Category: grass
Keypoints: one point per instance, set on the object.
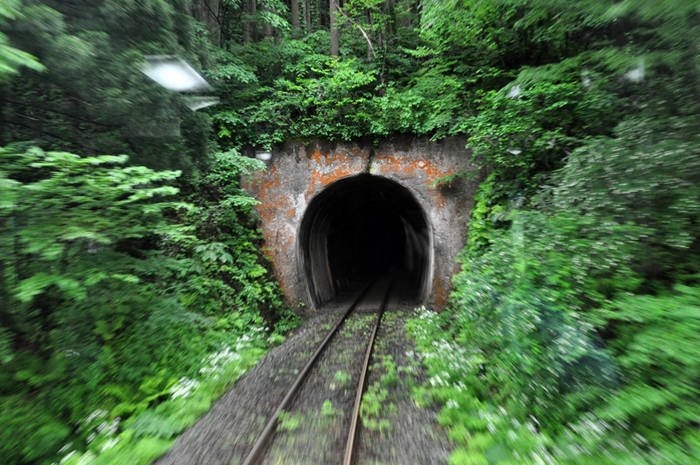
(289, 422)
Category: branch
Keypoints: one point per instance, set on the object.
(64, 113)
(29, 117)
(56, 136)
(367, 38)
(215, 15)
(72, 97)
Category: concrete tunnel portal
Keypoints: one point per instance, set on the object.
(331, 212)
(363, 226)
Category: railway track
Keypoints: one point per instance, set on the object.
(372, 300)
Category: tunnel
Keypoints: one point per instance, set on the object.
(362, 227)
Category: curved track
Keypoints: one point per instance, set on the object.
(372, 299)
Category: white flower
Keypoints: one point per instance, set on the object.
(184, 387)
(86, 458)
(109, 444)
(64, 448)
(67, 457)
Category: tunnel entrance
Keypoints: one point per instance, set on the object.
(361, 227)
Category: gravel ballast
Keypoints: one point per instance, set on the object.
(313, 431)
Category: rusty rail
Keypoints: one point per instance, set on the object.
(260, 445)
(350, 446)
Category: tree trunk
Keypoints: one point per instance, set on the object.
(320, 22)
(387, 9)
(307, 14)
(370, 22)
(209, 12)
(404, 12)
(295, 14)
(267, 27)
(246, 22)
(335, 32)
(254, 11)
(278, 65)
(5, 136)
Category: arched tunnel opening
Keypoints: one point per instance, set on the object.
(362, 227)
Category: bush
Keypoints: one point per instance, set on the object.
(114, 299)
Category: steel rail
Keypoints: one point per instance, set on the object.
(350, 446)
(258, 449)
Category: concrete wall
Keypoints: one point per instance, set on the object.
(297, 172)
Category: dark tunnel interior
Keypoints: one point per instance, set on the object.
(361, 227)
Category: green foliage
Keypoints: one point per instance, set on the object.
(297, 90)
(141, 295)
(117, 301)
(11, 59)
(374, 408)
(327, 409)
(289, 422)
(582, 260)
(558, 337)
(486, 216)
(533, 133)
(342, 377)
(92, 98)
(660, 398)
(647, 175)
(329, 105)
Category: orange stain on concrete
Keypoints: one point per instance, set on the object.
(397, 164)
(440, 293)
(328, 168)
(409, 168)
(323, 170)
(287, 186)
(264, 184)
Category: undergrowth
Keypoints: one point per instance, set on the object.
(571, 335)
(131, 299)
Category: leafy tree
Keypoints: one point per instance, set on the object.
(11, 59)
(582, 259)
(92, 99)
(110, 293)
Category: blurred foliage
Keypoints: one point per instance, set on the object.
(132, 297)
(111, 292)
(92, 98)
(11, 59)
(572, 330)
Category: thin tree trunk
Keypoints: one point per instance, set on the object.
(387, 9)
(370, 21)
(254, 11)
(267, 27)
(335, 32)
(364, 33)
(295, 14)
(307, 14)
(319, 18)
(405, 13)
(278, 65)
(246, 22)
(5, 315)
(209, 12)
(4, 130)
(383, 78)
